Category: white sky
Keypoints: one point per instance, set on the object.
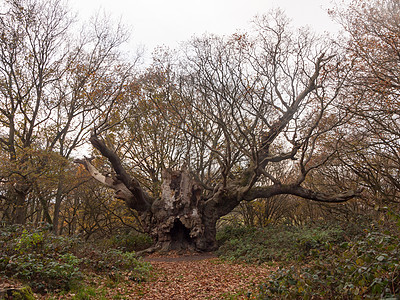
(168, 22)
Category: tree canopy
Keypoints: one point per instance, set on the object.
(271, 112)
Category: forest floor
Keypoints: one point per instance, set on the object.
(200, 277)
(181, 277)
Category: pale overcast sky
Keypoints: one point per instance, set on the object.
(168, 22)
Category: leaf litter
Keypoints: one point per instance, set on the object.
(195, 278)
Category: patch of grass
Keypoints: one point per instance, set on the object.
(86, 292)
(24, 293)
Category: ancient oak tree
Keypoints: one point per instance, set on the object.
(236, 106)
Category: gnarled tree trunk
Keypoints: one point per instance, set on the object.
(178, 216)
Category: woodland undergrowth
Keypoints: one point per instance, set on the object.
(331, 261)
(355, 260)
(50, 263)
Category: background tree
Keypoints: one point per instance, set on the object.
(370, 152)
(54, 87)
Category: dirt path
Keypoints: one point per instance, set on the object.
(198, 277)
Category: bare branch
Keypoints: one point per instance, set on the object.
(126, 187)
(296, 190)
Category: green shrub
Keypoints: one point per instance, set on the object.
(30, 240)
(44, 273)
(115, 262)
(365, 268)
(47, 262)
(26, 256)
(279, 243)
(132, 241)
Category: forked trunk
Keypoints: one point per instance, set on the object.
(178, 221)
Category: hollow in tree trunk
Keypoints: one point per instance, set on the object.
(178, 220)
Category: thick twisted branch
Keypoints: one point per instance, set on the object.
(127, 188)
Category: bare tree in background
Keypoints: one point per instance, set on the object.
(370, 152)
(54, 86)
